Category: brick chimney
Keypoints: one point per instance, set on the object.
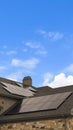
(27, 81)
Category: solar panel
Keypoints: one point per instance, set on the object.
(30, 88)
(14, 89)
(19, 84)
(43, 102)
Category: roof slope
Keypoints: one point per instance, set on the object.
(45, 102)
(14, 89)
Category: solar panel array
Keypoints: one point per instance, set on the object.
(14, 89)
(43, 102)
(30, 88)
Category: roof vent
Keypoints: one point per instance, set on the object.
(27, 81)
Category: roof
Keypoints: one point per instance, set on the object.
(36, 103)
(15, 89)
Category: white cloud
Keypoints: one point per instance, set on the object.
(5, 47)
(8, 52)
(51, 35)
(1, 52)
(42, 52)
(14, 76)
(55, 35)
(2, 67)
(32, 45)
(39, 49)
(59, 80)
(29, 64)
(11, 52)
(47, 78)
(43, 32)
(25, 50)
(69, 68)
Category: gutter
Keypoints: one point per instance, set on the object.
(15, 118)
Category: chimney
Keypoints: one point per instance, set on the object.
(27, 81)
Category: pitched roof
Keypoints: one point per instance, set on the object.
(45, 102)
(15, 89)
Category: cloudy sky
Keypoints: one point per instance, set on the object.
(36, 39)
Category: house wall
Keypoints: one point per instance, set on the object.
(58, 124)
(6, 103)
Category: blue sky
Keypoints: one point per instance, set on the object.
(36, 39)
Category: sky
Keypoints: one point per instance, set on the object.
(36, 39)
